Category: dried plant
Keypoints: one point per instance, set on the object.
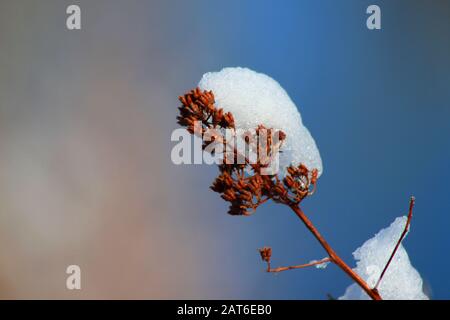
(245, 187)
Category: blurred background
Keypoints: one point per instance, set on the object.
(85, 123)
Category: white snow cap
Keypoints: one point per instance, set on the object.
(400, 282)
(255, 98)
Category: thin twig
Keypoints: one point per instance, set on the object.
(280, 269)
(408, 222)
(333, 255)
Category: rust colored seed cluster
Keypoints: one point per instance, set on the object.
(199, 106)
(266, 254)
(298, 182)
(245, 193)
(243, 185)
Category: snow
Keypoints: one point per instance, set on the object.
(322, 265)
(255, 98)
(400, 282)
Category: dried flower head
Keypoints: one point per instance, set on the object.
(198, 106)
(266, 254)
(244, 185)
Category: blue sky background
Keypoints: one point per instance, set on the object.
(86, 118)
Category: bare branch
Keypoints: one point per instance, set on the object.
(310, 264)
(402, 236)
(335, 258)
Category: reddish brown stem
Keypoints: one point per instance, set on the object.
(280, 269)
(333, 255)
(408, 222)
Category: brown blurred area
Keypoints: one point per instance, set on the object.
(85, 122)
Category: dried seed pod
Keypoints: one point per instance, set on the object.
(235, 184)
(266, 253)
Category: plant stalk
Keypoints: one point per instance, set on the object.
(333, 255)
